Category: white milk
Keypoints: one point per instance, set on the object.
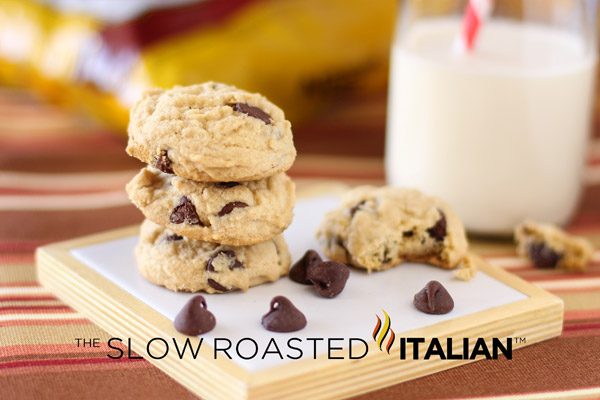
(500, 134)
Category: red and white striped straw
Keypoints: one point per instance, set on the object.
(476, 12)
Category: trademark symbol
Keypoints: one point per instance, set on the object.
(520, 340)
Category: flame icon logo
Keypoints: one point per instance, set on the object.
(381, 332)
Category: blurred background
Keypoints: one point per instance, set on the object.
(324, 62)
(70, 69)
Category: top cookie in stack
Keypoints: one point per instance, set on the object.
(211, 133)
(217, 157)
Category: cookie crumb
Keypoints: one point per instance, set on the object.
(467, 269)
(548, 246)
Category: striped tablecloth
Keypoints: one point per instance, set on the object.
(61, 178)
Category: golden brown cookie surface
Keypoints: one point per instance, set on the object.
(211, 132)
(234, 213)
(379, 227)
(186, 265)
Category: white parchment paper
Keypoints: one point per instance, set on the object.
(351, 314)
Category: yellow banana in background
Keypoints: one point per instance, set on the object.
(302, 54)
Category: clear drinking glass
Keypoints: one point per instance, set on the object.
(500, 132)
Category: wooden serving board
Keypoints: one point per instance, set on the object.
(97, 276)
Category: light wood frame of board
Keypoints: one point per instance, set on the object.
(537, 318)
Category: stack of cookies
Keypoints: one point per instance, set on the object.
(215, 194)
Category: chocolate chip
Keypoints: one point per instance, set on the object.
(185, 212)
(217, 286)
(438, 231)
(252, 111)
(194, 319)
(283, 316)
(354, 209)
(173, 237)
(299, 269)
(163, 163)
(232, 261)
(337, 241)
(227, 208)
(226, 185)
(386, 255)
(328, 278)
(434, 299)
(543, 256)
(408, 234)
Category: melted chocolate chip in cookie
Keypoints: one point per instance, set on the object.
(217, 286)
(252, 111)
(228, 255)
(386, 255)
(434, 299)
(226, 185)
(328, 278)
(185, 211)
(298, 272)
(229, 207)
(283, 316)
(173, 237)
(338, 241)
(439, 230)
(543, 256)
(163, 163)
(357, 207)
(194, 318)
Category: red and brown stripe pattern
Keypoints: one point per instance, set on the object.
(60, 179)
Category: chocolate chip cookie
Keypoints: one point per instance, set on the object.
(549, 247)
(211, 133)
(186, 265)
(233, 213)
(378, 228)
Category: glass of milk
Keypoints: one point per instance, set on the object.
(500, 132)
